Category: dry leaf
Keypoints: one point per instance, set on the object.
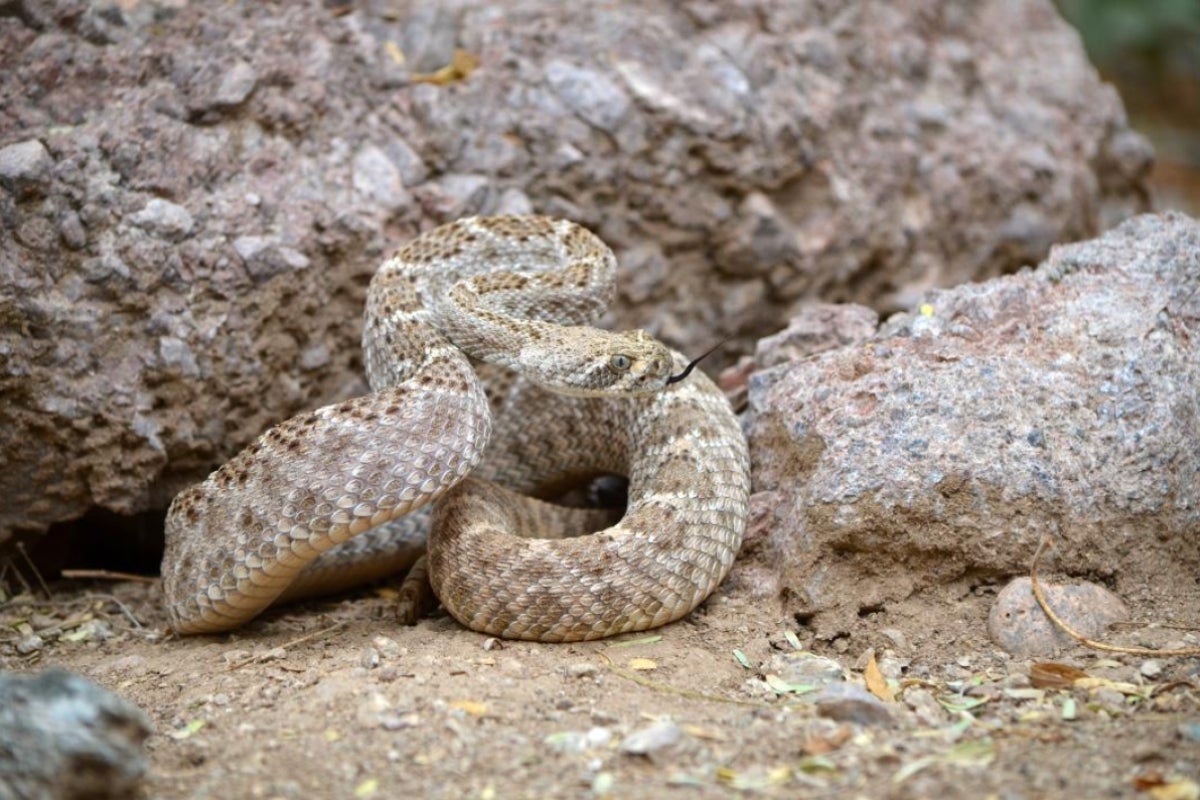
(1176, 789)
(821, 744)
(394, 51)
(461, 65)
(188, 730)
(876, 683)
(472, 707)
(1051, 675)
(1130, 689)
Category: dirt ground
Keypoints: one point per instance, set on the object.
(333, 699)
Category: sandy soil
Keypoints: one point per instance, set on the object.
(333, 699)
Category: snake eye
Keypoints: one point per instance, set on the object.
(621, 362)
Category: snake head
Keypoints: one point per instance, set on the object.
(589, 362)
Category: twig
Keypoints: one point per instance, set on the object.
(299, 640)
(1079, 637)
(665, 687)
(124, 609)
(106, 575)
(33, 568)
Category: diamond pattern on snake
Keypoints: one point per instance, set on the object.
(491, 391)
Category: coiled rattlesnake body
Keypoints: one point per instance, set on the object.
(519, 294)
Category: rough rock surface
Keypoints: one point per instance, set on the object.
(1061, 400)
(193, 195)
(62, 737)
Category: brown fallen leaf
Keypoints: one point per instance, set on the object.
(1052, 675)
(820, 744)
(472, 707)
(876, 683)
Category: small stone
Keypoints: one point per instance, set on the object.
(396, 722)
(928, 710)
(847, 702)
(369, 658)
(805, 669)
(164, 219)
(514, 201)
(24, 164)
(1112, 700)
(651, 738)
(582, 669)
(1151, 668)
(72, 232)
(601, 717)
(30, 644)
(492, 643)
(388, 647)
(599, 736)
(1190, 730)
(236, 85)
(377, 178)
(568, 741)
(265, 256)
(1018, 625)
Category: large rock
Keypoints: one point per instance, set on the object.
(1061, 401)
(194, 195)
(62, 737)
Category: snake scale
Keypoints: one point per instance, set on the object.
(476, 332)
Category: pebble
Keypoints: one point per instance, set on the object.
(651, 738)
(164, 219)
(388, 647)
(236, 85)
(1112, 700)
(926, 707)
(375, 176)
(1151, 668)
(265, 257)
(1018, 625)
(71, 229)
(847, 702)
(582, 669)
(369, 658)
(805, 668)
(26, 162)
(601, 717)
(30, 644)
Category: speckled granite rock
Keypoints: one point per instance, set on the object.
(62, 737)
(193, 195)
(1062, 400)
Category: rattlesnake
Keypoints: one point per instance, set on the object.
(512, 299)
